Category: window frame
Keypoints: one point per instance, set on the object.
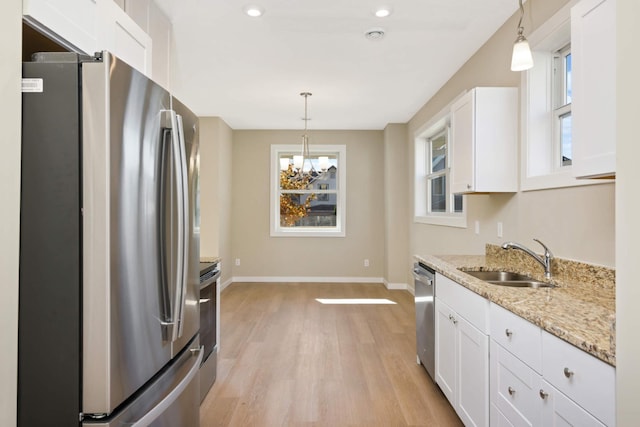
(561, 108)
(276, 230)
(539, 165)
(423, 213)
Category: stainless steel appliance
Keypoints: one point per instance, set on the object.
(425, 285)
(109, 250)
(209, 288)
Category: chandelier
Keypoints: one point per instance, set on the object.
(296, 169)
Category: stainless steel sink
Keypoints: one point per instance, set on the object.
(507, 278)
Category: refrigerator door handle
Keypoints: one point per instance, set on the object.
(162, 406)
(171, 318)
(183, 200)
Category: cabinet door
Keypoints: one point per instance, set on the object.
(559, 411)
(72, 23)
(473, 374)
(446, 350)
(580, 376)
(593, 51)
(463, 144)
(515, 389)
(160, 32)
(124, 38)
(484, 141)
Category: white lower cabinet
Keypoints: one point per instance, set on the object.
(587, 381)
(462, 351)
(538, 379)
(559, 411)
(498, 369)
(515, 390)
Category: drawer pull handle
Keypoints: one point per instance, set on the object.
(508, 333)
(543, 394)
(512, 391)
(568, 373)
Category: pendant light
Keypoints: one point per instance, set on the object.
(296, 166)
(521, 58)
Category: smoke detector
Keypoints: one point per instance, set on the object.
(374, 33)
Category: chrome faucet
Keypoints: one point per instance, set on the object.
(545, 260)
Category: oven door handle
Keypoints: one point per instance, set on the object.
(208, 282)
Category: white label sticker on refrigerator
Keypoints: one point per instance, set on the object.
(32, 85)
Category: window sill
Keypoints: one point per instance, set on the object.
(308, 232)
(560, 179)
(442, 220)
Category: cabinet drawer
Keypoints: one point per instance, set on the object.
(519, 336)
(515, 388)
(559, 410)
(583, 378)
(471, 306)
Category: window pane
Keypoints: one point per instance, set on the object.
(567, 78)
(438, 194)
(324, 168)
(457, 203)
(565, 139)
(438, 153)
(308, 210)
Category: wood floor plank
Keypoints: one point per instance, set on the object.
(288, 360)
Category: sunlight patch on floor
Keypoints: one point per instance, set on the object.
(354, 301)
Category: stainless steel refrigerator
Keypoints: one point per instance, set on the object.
(109, 248)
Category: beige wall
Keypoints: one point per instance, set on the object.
(215, 192)
(627, 214)
(265, 256)
(396, 203)
(10, 72)
(576, 223)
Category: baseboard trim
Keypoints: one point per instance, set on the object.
(396, 286)
(226, 284)
(292, 279)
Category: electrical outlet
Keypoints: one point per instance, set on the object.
(499, 229)
(237, 262)
(366, 263)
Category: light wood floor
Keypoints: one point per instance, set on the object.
(288, 360)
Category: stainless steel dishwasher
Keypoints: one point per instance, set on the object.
(425, 286)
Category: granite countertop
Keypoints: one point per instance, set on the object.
(581, 314)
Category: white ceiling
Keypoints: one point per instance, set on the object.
(250, 71)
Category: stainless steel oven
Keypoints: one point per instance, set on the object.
(209, 275)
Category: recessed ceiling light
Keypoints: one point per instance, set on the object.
(383, 12)
(253, 11)
(374, 33)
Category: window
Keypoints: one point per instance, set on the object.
(310, 207)
(547, 150)
(434, 202)
(562, 106)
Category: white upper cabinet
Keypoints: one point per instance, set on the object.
(71, 23)
(593, 47)
(160, 32)
(89, 26)
(484, 141)
(124, 38)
